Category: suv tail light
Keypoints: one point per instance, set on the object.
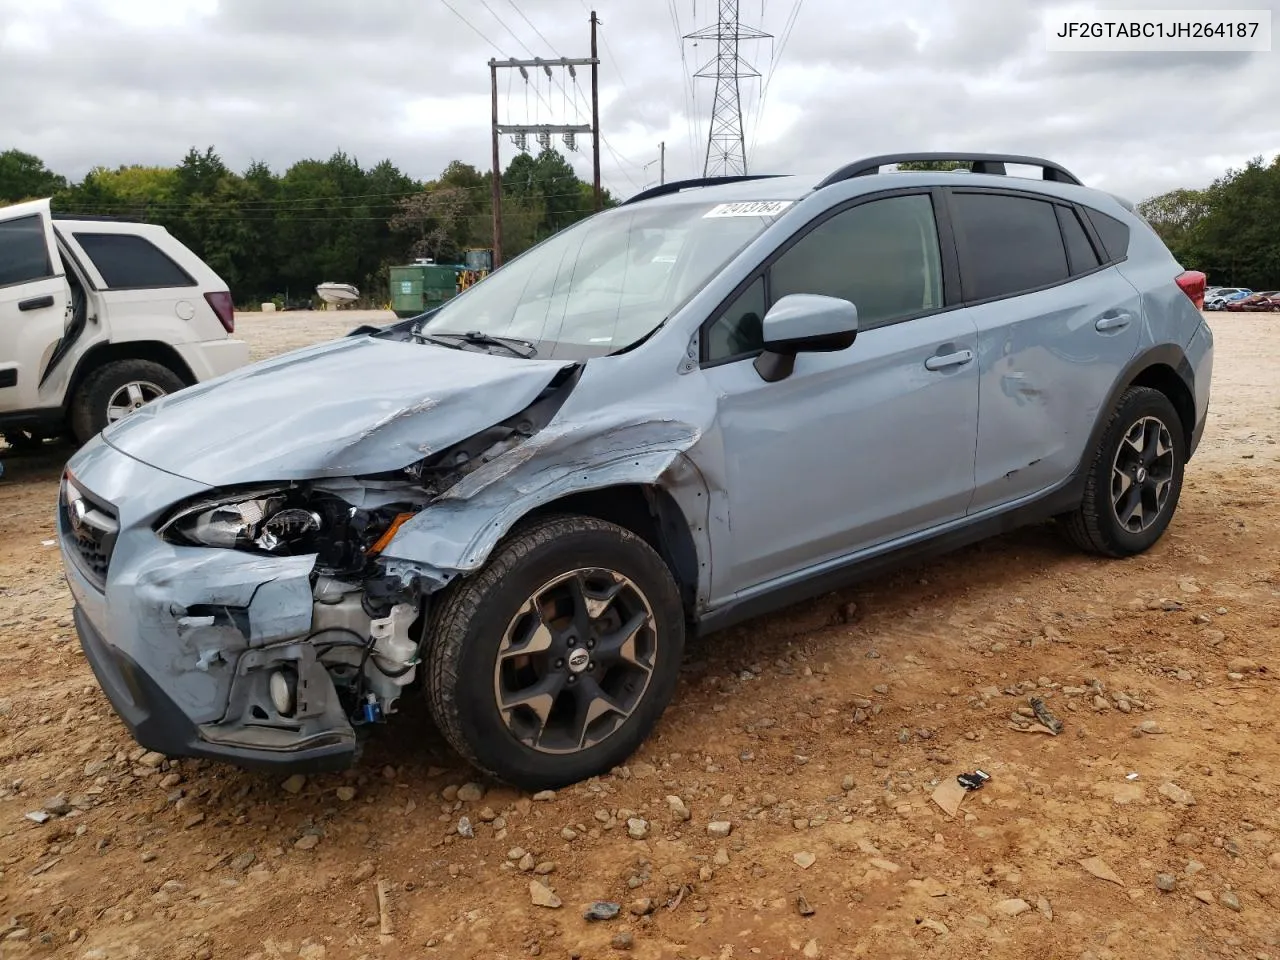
(1192, 283)
(226, 310)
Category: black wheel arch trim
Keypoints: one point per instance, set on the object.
(1168, 355)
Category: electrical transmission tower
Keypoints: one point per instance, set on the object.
(726, 149)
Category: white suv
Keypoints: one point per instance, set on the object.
(99, 317)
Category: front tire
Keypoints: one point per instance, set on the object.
(555, 661)
(117, 389)
(1135, 479)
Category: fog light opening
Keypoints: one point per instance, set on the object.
(283, 686)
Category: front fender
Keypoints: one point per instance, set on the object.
(456, 533)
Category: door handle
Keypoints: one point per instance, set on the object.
(36, 303)
(949, 360)
(1117, 322)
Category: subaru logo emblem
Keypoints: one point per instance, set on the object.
(578, 660)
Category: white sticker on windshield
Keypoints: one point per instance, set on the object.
(749, 208)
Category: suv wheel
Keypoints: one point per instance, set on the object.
(554, 662)
(1134, 482)
(117, 389)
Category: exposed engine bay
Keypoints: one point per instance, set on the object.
(368, 628)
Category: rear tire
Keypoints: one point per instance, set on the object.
(1135, 479)
(113, 391)
(555, 661)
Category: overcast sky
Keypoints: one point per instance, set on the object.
(88, 82)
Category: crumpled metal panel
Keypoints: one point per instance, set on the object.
(349, 407)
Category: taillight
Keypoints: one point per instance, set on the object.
(226, 310)
(1192, 283)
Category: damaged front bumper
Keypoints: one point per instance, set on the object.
(185, 641)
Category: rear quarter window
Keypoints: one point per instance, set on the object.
(1113, 233)
(132, 262)
(24, 251)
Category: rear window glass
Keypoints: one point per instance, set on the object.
(24, 251)
(128, 261)
(1113, 233)
(1008, 244)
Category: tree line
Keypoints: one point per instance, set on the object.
(275, 236)
(1230, 229)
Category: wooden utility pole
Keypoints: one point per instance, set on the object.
(595, 110)
(497, 170)
(543, 131)
(662, 162)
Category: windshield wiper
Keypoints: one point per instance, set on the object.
(513, 345)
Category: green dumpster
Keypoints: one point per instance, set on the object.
(420, 287)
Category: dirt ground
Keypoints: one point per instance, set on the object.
(819, 734)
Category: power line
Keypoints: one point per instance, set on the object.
(549, 44)
(773, 69)
(502, 23)
(472, 26)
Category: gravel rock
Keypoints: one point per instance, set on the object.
(642, 907)
(622, 941)
(527, 863)
(364, 872)
(1166, 882)
(679, 809)
(847, 784)
(803, 906)
(1012, 908)
(720, 828)
(465, 829)
(1242, 665)
(345, 794)
(545, 868)
(569, 834)
(470, 792)
(517, 853)
(37, 816)
(1230, 901)
(543, 896)
(804, 859)
(1172, 791)
(637, 829)
(308, 841)
(59, 806)
(294, 784)
(243, 862)
(151, 760)
(1150, 727)
(544, 796)
(601, 910)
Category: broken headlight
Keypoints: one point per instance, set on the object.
(264, 520)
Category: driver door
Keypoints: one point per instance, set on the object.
(859, 447)
(34, 299)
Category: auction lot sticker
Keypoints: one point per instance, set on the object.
(748, 208)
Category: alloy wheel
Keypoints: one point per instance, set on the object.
(131, 397)
(1142, 474)
(575, 661)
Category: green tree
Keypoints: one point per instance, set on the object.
(23, 176)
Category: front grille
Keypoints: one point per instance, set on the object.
(89, 527)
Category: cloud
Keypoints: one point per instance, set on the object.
(87, 82)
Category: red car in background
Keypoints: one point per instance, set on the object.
(1267, 300)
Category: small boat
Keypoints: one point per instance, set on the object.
(337, 293)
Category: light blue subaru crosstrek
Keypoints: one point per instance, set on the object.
(721, 397)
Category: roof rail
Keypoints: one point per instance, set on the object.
(93, 217)
(675, 186)
(978, 163)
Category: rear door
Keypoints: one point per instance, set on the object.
(34, 299)
(1057, 324)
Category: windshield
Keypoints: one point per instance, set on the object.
(606, 282)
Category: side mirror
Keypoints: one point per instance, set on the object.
(804, 323)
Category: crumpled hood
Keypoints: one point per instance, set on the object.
(354, 406)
